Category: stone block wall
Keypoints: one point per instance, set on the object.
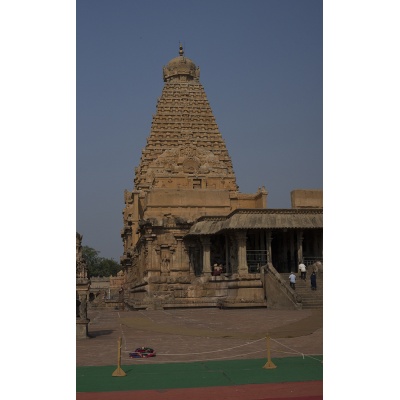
(303, 198)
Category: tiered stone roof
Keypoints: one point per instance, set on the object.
(184, 140)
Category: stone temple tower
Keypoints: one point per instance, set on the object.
(185, 173)
(185, 148)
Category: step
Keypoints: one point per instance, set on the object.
(311, 299)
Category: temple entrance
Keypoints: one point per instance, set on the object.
(285, 246)
(256, 250)
(284, 250)
(312, 246)
(218, 251)
(196, 260)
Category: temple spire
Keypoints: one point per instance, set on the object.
(181, 49)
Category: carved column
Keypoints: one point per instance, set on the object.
(315, 244)
(242, 260)
(300, 246)
(152, 267)
(135, 217)
(263, 258)
(293, 266)
(83, 305)
(268, 239)
(228, 267)
(284, 251)
(205, 242)
(177, 260)
(82, 292)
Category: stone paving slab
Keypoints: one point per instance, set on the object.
(187, 335)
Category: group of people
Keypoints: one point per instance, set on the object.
(303, 274)
(217, 269)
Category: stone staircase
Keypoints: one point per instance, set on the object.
(311, 299)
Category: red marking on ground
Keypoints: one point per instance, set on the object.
(311, 390)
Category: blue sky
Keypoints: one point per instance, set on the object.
(261, 67)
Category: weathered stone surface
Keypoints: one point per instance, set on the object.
(306, 198)
(186, 213)
(82, 291)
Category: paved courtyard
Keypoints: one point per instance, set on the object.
(187, 335)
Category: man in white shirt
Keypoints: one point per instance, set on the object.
(303, 271)
(292, 280)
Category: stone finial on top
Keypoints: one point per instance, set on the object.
(181, 69)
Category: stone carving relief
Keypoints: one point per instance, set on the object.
(81, 268)
(186, 160)
(83, 307)
(191, 165)
(165, 260)
(128, 197)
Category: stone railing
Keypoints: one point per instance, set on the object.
(278, 293)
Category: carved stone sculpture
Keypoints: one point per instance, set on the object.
(82, 291)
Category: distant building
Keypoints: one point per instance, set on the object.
(186, 213)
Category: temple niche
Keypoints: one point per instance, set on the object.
(185, 213)
(82, 291)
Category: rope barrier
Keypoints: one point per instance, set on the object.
(285, 352)
(294, 351)
(212, 351)
(208, 359)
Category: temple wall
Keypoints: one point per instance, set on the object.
(99, 283)
(306, 198)
(188, 198)
(257, 200)
(187, 204)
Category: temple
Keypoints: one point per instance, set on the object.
(191, 239)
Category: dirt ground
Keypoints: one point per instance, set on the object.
(187, 335)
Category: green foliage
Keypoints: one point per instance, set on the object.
(99, 266)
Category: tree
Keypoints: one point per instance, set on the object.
(99, 266)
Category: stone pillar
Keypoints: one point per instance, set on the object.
(300, 246)
(262, 248)
(135, 217)
(152, 266)
(284, 250)
(315, 244)
(206, 243)
(82, 291)
(243, 269)
(228, 268)
(293, 266)
(82, 321)
(268, 239)
(178, 262)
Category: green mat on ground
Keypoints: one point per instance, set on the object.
(198, 374)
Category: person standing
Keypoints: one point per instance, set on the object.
(292, 280)
(313, 279)
(216, 271)
(303, 271)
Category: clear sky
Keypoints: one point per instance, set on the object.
(261, 68)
